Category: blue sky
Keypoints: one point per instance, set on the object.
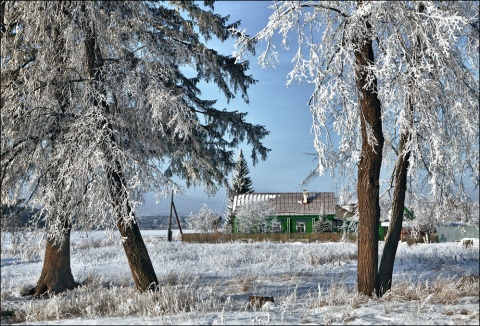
(283, 111)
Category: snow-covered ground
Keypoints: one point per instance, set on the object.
(209, 284)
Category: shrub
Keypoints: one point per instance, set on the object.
(205, 220)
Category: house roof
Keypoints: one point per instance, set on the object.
(292, 203)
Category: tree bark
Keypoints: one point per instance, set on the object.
(138, 259)
(385, 272)
(56, 274)
(368, 167)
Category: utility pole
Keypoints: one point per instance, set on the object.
(176, 216)
(169, 236)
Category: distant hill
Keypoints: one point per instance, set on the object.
(155, 222)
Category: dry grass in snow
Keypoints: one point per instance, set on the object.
(311, 283)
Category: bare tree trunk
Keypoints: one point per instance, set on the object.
(56, 274)
(138, 259)
(385, 273)
(368, 167)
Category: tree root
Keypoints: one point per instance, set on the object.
(44, 291)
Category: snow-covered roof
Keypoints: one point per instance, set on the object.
(292, 203)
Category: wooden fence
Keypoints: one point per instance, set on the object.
(219, 237)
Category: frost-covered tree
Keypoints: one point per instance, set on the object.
(322, 225)
(256, 217)
(240, 184)
(274, 225)
(206, 220)
(398, 82)
(101, 103)
(458, 211)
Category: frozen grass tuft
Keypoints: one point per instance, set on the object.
(95, 300)
(441, 290)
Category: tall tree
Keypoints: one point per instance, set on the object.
(240, 184)
(101, 103)
(398, 81)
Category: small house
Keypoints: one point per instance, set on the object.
(297, 212)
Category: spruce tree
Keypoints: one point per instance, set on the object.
(241, 184)
(97, 110)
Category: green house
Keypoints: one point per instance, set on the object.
(297, 212)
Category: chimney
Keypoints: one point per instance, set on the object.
(305, 198)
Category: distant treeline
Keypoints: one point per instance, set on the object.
(19, 217)
(155, 222)
(15, 217)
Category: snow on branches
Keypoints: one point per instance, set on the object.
(257, 217)
(206, 220)
(426, 64)
(97, 108)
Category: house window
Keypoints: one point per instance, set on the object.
(301, 227)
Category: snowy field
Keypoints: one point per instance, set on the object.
(209, 284)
